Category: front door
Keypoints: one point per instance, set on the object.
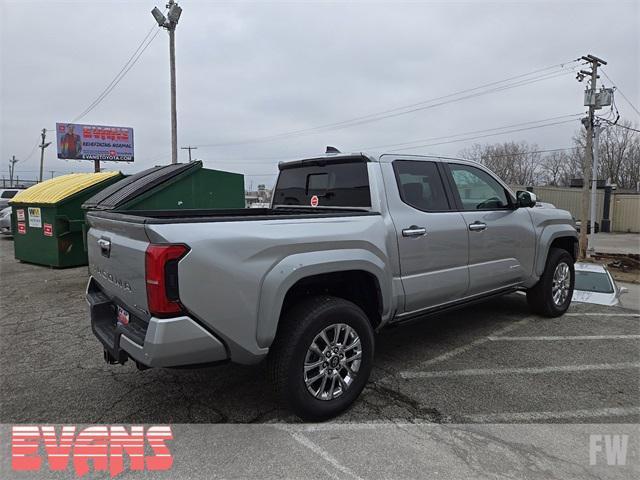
(432, 236)
(501, 237)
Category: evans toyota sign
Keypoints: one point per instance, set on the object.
(94, 142)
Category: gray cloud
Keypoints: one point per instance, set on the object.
(248, 70)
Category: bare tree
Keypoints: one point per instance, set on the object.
(519, 163)
(555, 168)
(515, 162)
(618, 155)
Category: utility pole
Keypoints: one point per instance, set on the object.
(42, 146)
(189, 148)
(170, 22)
(594, 182)
(590, 100)
(12, 167)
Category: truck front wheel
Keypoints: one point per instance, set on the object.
(322, 356)
(551, 296)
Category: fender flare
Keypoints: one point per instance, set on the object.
(286, 273)
(548, 235)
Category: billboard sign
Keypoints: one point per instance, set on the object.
(94, 142)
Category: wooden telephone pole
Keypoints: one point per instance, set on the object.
(42, 146)
(590, 95)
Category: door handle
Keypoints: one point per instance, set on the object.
(414, 231)
(477, 226)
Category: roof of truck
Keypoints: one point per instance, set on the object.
(367, 156)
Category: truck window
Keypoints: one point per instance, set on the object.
(477, 189)
(334, 184)
(420, 185)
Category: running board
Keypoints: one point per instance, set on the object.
(413, 317)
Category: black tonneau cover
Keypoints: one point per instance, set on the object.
(131, 187)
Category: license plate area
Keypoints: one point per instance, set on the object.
(122, 316)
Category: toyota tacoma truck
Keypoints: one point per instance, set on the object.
(351, 243)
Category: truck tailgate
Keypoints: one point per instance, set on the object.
(117, 261)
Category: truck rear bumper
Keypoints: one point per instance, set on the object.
(162, 342)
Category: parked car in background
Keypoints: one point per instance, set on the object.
(7, 194)
(594, 284)
(5, 221)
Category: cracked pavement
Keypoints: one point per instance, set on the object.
(406, 424)
(52, 368)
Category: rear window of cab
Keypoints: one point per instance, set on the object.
(333, 184)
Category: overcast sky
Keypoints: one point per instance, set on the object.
(255, 69)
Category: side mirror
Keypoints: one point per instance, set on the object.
(623, 290)
(526, 199)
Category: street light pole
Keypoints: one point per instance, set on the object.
(174, 115)
(170, 22)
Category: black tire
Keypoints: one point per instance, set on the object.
(298, 328)
(540, 296)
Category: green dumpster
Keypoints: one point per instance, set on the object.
(172, 187)
(48, 221)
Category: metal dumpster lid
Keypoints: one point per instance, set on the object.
(130, 187)
(57, 189)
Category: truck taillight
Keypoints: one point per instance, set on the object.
(161, 276)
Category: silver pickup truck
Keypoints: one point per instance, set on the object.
(350, 244)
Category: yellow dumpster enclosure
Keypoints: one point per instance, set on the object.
(48, 221)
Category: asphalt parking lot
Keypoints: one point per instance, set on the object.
(493, 363)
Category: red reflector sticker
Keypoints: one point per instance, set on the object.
(123, 316)
(22, 228)
(314, 201)
(48, 230)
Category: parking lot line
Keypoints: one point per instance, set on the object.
(563, 415)
(526, 370)
(591, 314)
(315, 448)
(479, 341)
(565, 337)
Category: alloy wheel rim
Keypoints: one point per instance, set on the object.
(332, 361)
(561, 284)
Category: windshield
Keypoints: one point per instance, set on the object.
(593, 282)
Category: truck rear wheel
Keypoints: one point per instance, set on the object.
(551, 296)
(322, 357)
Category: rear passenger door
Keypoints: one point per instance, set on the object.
(432, 236)
(501, 237)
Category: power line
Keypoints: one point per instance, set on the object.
(33, 150)
(406, 109)
(614, 124)
(472, 132)
(620, 92)
(483, 136)
(549, 150)
(133, 59)
(352, 122)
